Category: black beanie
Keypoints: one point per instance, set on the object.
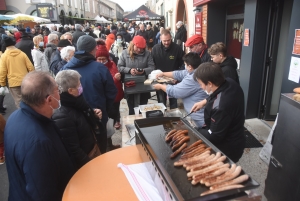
(64, 43)
(8, 41)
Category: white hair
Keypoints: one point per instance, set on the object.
(67, 79)
(52, 37)
(78, 26)
(65, 52)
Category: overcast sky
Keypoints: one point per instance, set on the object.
(130, 5)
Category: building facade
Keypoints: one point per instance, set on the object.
(59, 11)
(117, 12)
(261, 35)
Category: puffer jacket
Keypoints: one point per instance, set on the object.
(76, 134)
(11, 59)
(110, 39)
(99, 89)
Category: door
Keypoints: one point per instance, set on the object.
(274, 58)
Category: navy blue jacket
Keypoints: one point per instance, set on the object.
(38, 164)
(55, 59)
(99, 89)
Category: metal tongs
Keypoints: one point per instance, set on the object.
(188, 115)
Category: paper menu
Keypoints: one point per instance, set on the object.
(294, 73)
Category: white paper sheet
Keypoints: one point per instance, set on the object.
(146, 185)
(294, 73)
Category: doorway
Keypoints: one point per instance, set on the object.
(278, 30)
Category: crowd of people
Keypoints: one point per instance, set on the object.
(68, 81)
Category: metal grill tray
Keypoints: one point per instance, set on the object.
(152, 134)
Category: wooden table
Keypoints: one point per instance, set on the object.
(101, 179)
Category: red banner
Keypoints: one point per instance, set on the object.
(198, 23)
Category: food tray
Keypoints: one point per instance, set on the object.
(151, 134)
(143, 108)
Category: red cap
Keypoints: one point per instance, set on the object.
(195, 39)
(139, 41)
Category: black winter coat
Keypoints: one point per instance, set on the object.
(224, 119)
(181, 34)
(76, 35)
(76, 134)
(150, 41)
(144, 34)
(229, 66)
(167, 59)
(26, 45)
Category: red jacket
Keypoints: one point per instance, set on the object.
(17, 36)
(114, 70)
(110, 39)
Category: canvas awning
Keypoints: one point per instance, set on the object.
(141, 14)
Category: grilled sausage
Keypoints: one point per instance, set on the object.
(194, 158)
(177, 145)
(170, 133)
(198, 142)
(224, 188)
(178, 150)
(218, 180)
(238, 180)
(217, 156)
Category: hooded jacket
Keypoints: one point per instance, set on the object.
(14, 65)
(98, 86)
(110, 39)
(229, 66)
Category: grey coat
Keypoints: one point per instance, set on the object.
(143, 61)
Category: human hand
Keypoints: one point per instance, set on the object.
(98, 113)
(118, 76)
(197, 106)
(140, 73)
(133, 71)
(157, 86)
(159, 75)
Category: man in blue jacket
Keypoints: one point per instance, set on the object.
(38, 164)
(98, 86)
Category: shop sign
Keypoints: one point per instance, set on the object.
(296, 47)
(198, 23)
(246, 37)
(45, 10)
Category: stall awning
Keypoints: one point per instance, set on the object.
(141, 14)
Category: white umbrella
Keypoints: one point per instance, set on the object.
(105, 20)
(40, 20)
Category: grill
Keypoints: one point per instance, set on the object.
(151, 135)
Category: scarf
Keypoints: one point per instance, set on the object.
(79, 104)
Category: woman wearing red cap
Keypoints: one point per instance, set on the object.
(136, 56)
(102, 56)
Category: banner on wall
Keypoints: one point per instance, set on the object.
(198, 23)
(296, 46)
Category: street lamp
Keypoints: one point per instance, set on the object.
(197, 10)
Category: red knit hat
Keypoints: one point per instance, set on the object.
(139, 41)
(195, 39)
(101, 50)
